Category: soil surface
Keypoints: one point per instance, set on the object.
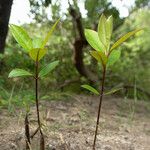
(70, 125)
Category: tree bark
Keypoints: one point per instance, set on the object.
(5, 9)
(79, 43)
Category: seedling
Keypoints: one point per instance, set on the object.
(36, 50)
(105, 53)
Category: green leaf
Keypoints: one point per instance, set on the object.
(112, 91)
(48, 68)
(19, 73)
(93, 39)
(90, 88)
(102, 30)
(124, 38)
(109, 29)
(113, 57)
(105, 28)
(37, 52)
(49, 34)
(99, 56)
(21, 36)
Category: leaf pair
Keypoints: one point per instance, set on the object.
(100, 57)
(100, 41)
(104, 60)
(35, 47)
(93, 90)
(20, 72)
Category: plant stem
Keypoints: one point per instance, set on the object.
(34, 133)
(42, 147)
(27, 132)
(100, 105)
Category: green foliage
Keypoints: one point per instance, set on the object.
(135, 55)
(141, 3)
(100, 57)
(57, 49)
(35, 47)
(105, 27)
(109, 55)
(37, 54)
(48, 68)
(90, 88)
(112, 91)
(16, 97)
(49, 34)
(114, 56)
(19, 73)
(93, 39)
(36, 51)
(109, 27)
(95, 7)
(124, 38)
(21, 37)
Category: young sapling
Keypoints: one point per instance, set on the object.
(36, 50)
(106, 54)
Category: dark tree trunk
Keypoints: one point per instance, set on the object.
(5, 9)
(79, 43)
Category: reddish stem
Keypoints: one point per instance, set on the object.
(42, 143)
(100, 105)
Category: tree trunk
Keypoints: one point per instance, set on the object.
(5, 9)
(79, 44)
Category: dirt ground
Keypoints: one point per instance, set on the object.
(70, 125)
